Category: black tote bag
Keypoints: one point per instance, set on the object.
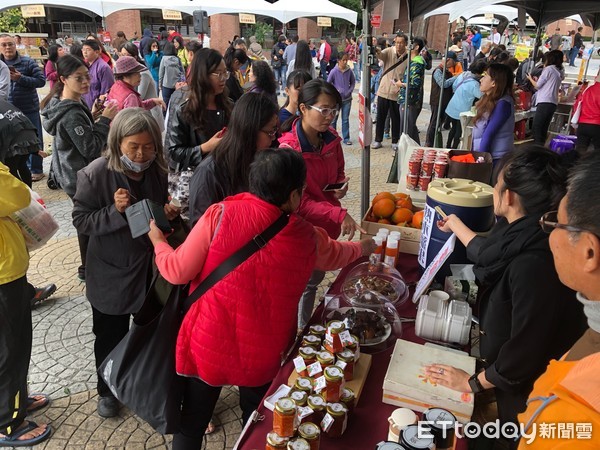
(140, 370)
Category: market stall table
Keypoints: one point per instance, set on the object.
(368, 424)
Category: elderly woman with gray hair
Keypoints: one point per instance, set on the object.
(118, 267)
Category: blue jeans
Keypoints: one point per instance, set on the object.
(35, 162)
(280, 75)
(345, 113)
(323, 66)
(166, 95)
(356, 70)
(573, 55)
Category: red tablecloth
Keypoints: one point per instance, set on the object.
(368, 424)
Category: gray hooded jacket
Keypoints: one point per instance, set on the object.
(77, 139)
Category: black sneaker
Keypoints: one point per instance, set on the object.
(108, 407)
(42, 294)
(81, 273)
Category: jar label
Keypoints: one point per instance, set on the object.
(314, 369)
(298, 395)
(304, 411)
(337, 407)
(346, 338)
(299, 364)
(334, 371)
(320, 384)
(286, 403)
(304, 382)
(327, 422)
(341, 364)
(317, 400)
(328, 337)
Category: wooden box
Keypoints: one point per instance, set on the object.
(409, 240)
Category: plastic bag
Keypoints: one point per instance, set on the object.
(36, 222)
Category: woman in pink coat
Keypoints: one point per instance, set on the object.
(128, 77)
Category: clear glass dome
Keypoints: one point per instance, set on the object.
(369, 285)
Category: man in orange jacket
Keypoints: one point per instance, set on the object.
(563, 410)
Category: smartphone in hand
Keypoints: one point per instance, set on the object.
(335, 186)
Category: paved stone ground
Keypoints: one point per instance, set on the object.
(62, 362)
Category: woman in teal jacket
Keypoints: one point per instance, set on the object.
(153, 57)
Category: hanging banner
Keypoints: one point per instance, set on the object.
(489, 16)
(33, 11)
(169, 14)
(522, 52)
(376, 20)
(247, 18)
(323, 21)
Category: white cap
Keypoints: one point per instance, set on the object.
(383, 231)
(392, 243)
(396, 234)
(378, 240)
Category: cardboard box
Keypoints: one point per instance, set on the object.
(409, 240)
(406, 385)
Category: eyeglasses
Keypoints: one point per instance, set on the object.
(81, 78)
(549, 222)
(8, 44)
(273, 133)
(222, 76)
(326, 112)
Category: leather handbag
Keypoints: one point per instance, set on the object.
(140, 370)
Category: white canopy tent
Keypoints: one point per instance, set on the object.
(283, 10)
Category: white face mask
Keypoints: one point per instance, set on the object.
(134, 166)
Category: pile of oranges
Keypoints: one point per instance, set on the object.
(396, 209)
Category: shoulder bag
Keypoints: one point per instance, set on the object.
(140, 370)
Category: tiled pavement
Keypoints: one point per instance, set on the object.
(62, 363)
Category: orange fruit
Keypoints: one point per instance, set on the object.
(404, 203)
(384, 208)
(383, 195)
(387, 222)
(402, 215)
(400, 195)
(417, 220)
(370, 218)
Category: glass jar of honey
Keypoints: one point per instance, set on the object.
(334, 377)
(309, 356)
(298, 444)
(276, 442)
(299, 397)
(304, 384)
(317, 330)
(325, 358)
(310, 340)
(355, 347)
(317, 404)
(284, 417)
(333, 342)
(347, 358)
(312, 433)
(348, 398)
(335, 421)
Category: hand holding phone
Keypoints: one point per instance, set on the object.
(335, 186)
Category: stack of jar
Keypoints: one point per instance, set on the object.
(387, 247)
(318, 402)
(423, 166)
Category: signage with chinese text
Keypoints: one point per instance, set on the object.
(33, 11)
(323, 21)
(169, 14)
(247, 18)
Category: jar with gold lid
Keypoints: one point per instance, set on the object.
(325, 358)
(335, 421)
(298, 444)
(309, 356)
(333, 342)
(334, 378)
(317, 404)
(284, 417)
(348, 398)
(299, 397)
(317, 330)
(312, 433)
(276, 442)
(346, 359)
(304, 384)
(310, 340)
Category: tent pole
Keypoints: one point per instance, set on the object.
(407, 72)
(439, 111)
(366, 91)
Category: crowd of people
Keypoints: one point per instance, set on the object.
(232, 160)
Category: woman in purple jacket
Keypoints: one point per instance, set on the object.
(493, 131)
(342, 77)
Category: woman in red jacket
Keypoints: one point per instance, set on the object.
(312, 135)
(588, 129)
(260, 296)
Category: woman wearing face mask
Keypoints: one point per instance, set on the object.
(153, 56)
(234, 60)
(294, 83)
(527, 316)
(132, 170)
(311, 134)
(197, 125)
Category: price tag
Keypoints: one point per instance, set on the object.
(327, 422)
(299, 364)
(341, 364)
(346, 338)
(329, 337)
(347, 323)
(304, 411)
(320, 384)
(314, 369)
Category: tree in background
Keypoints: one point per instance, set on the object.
(343, 27)
(12, 21)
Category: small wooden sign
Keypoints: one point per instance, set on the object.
(323, 21)
(169, 14)
(33, 11)
(247, 18)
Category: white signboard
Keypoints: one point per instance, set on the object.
(247, 18)
(323, 21)
(33, 11)
(434, 267)
(169, 14)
